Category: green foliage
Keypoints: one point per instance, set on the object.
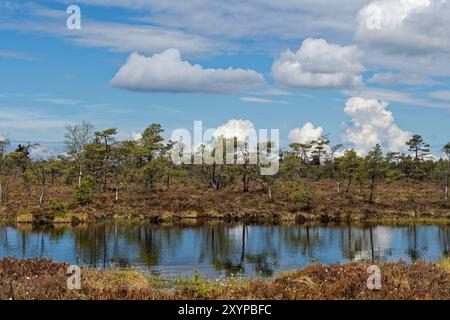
(446, 150)
(58, 206)
(83, 192)
(70, 174)
(348, 168)
(441, 175)
(152, 140)
(374, 168)
(418, 147)
(98, 159)
(153, 170)
(89, 181)
(303, 193)
(83, 195)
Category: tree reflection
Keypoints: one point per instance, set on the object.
(413, 251)
(224, 248)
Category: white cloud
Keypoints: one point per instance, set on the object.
(414, 26)
(136, 136)
(144, 39)
(16, 55)
(27, 119)
(61, 101)
(167, 72)
(238, 128)
(121, 37)
(406, 36)
(371, 124)
(442, 95)
(305, 134)
(395, 96)
(42, 153)
(258, 100)
(389, 78)
(251, 19)
(426, 64)
(318, 64)
(273, 91)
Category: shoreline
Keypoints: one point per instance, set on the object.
(43, 279)
(43, 217)
(395, 201)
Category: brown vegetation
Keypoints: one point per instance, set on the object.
(43, 279)
(102, 177)
(400, 199)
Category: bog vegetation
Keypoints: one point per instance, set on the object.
(43, 279)
(99, 167)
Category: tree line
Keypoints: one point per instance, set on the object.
(96, 161)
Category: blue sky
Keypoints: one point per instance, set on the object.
(51, 76)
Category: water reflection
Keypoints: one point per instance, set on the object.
(220, 248)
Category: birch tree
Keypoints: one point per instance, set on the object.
(75, 138)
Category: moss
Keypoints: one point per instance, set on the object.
(104, 280)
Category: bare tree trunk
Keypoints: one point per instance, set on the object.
(245, 183)
(245, 179)
(41, 197)
(445, 192)
(80, 175)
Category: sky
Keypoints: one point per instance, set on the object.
(363, 72)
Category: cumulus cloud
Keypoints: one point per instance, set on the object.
(241, 129)
(413, 25)
(410, 36)
(238, 128)
(318, 64)
(305, 134)
(167, 72)
(372, 123)
(39, 152)
(136, 136)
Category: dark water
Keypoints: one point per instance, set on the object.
(225, 249)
